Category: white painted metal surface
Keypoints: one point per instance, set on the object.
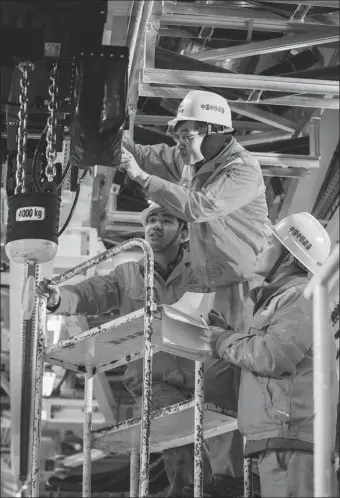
(167, 431)
(102, 346)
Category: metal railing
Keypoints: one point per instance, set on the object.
(149, 307)
(139, 457)
(318, 289)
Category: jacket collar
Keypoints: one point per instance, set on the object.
(261, 294)
(182, 264)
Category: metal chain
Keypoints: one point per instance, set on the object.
(24, 67)
(51, 153)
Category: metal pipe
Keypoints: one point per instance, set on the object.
(324, 274)
(276, 45)
(88, 404)
(136, 15)
(245, 81)
(247, 475)
(199, 429)
(134, 464)
(100, 258)
(39, 368)
(323, 447)
(146, 14)
(147, 376)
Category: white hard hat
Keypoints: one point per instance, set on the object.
(151, 209)
(305, 238)
(208, 107)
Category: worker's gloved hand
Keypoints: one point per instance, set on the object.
(44, 288)
(130, 165)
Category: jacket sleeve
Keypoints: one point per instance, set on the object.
(160, 160)
(226, 194)
(96, 295)
(277, 350)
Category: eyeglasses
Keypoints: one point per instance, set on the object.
(184, 139)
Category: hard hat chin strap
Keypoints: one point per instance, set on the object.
(172, 241)
(276, 266)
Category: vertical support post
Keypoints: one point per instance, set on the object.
(247, 475)
(36, 438)
(322, 394)
(134, 461)
(88, 403)
(199, 431)
(147, 377)
(314, 136)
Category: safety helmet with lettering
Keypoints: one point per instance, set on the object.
(305, 238)
(199, 105)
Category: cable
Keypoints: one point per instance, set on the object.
(74, 204)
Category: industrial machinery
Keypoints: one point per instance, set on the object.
(73, 80)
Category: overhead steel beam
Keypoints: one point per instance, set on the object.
(301, 101)
(230, 17)
(148, 119)
(287, 100)
(243, 81)
(261, 138)
(250, 111)
(286, 172)
(275, 45)
(314, 3)
(273, 159)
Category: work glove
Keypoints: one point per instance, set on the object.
(51, 292)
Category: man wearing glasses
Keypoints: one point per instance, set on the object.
(210, 181)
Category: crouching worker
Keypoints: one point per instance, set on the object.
(123, 289)
(275, 410)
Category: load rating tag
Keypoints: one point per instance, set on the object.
(30, 213)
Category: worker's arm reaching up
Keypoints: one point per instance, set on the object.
(93, 296)
(160, 160)
(230, 191)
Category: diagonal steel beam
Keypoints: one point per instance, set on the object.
(313, 38)
(245, 81)
(265, 137)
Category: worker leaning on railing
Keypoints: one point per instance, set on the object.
(123, 289)
(276, 408)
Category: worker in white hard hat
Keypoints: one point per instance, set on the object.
(209, 180)
(123, 290)
(276, 410)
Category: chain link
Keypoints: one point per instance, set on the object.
(24, 67)
(51, 153)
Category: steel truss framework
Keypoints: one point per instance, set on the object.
(301, 92)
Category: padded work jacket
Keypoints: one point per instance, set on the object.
(123, 289)
(224, 201)
(276, 356)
